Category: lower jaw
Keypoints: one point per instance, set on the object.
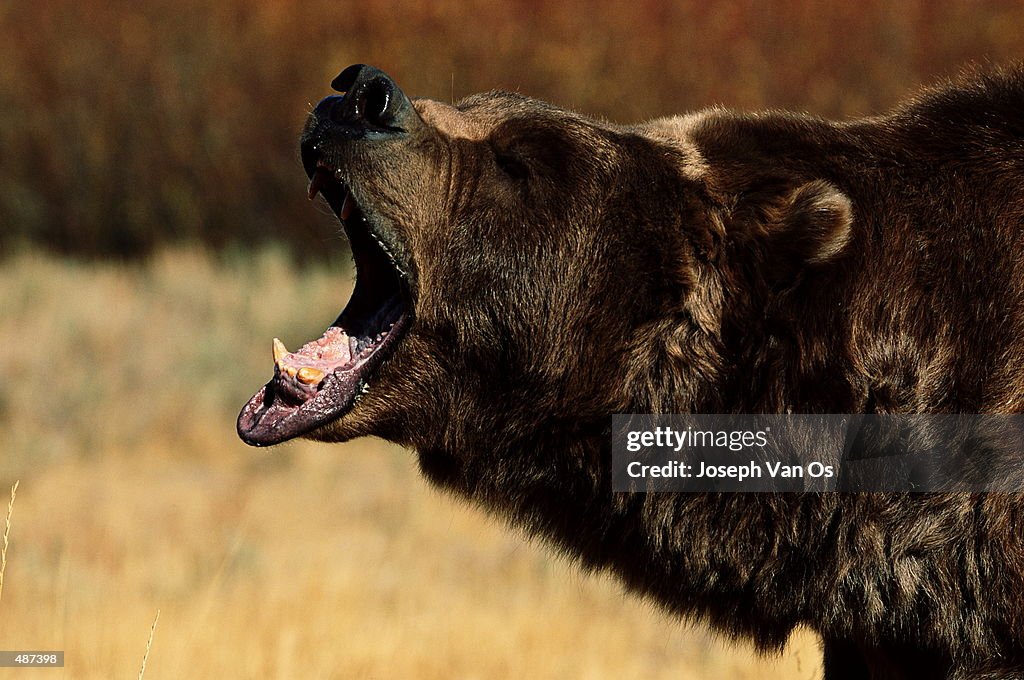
(268, 418)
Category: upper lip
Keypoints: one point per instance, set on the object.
(328, 180)
(322, 175)
(325, 178)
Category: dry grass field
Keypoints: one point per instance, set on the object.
(117, 404)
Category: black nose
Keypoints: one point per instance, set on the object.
(371, 102)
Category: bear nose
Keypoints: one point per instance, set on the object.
(371, 101)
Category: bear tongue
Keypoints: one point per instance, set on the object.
(317, 358)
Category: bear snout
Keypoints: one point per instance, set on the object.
(372, 108)
(370, 102)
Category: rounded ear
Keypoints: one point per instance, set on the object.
(813, 226)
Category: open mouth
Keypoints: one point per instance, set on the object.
(324, 378)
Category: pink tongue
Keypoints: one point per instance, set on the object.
(325, 353)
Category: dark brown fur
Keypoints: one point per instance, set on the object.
(567, 269)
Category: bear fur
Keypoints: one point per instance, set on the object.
(564, 269)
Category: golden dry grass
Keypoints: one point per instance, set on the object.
(7, 536)
(307, 561)
(149, 645)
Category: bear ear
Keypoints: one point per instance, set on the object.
(812, 226)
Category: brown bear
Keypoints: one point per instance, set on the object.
(524, 272)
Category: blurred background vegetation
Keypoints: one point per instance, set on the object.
(155, 235)
(127, 124)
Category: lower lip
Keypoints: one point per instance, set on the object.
(321, 408)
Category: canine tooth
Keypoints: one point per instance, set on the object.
(279, 351)
(316, 183)
(346, 207)
(309, 375)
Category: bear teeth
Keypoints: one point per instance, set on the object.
(310, 376)
(346, 207)
(317, 182)
(279, 351)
